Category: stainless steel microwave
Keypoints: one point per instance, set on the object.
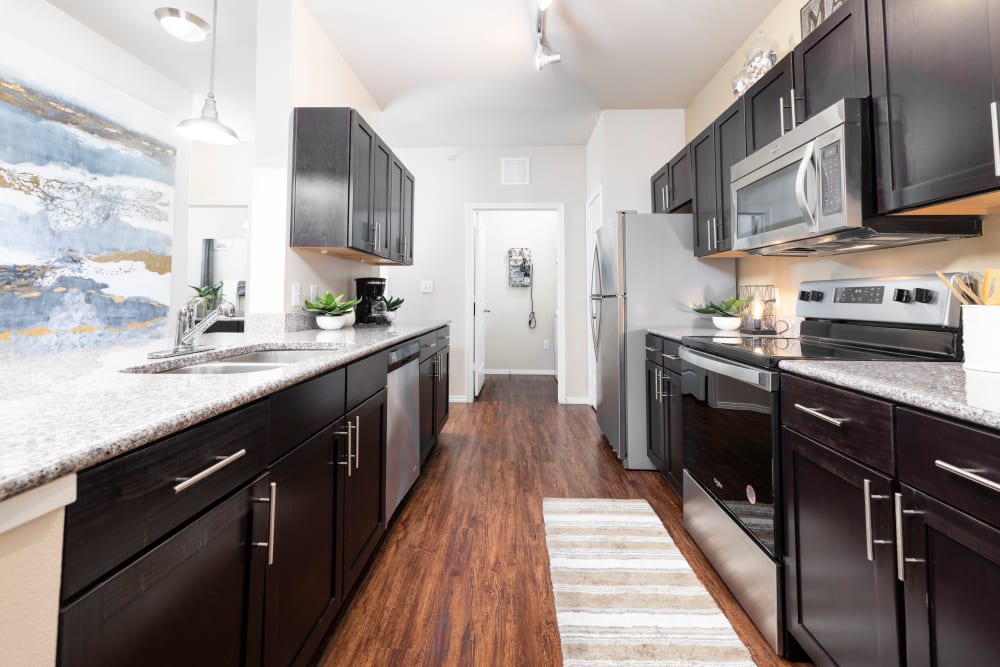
(810, 192)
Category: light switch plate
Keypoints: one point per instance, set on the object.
(296, 295)
(546, 344)
(426, 286)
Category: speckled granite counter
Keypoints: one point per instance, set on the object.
(676, 333)
(63, 413)
(940, 387)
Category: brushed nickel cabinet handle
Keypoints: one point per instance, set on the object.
(221, 462)
(671, 357)
(901, 559)
(794, 121)
(357, 442)
(869, 497)
(813, 412)
(995, 123)
(781, 114)
(349, 454)
(965, 473)
(651, 349)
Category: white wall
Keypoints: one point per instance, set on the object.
(222, 174)
(68, 40)
(297, 65)
(447, 179)
(510, 344)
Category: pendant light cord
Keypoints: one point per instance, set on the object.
(215, 30)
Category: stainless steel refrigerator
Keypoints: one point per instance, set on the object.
(645, 275)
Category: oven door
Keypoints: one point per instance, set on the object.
(730, 424)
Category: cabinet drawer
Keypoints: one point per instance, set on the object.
(937, 457)
(300, 411)
(865, 424)
(654, 349)
(443, 336)
(130, 502)
(429, 345)
(670, 357)
(366, 377)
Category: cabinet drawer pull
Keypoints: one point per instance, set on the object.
(347, 463)
(221, 462)
(272, 512)
(812, 412)
(433, 345)
(651, 349)
(671, 357)
(995, 125)
(901, 559)
(964, 473)
(357, 442)
(869, 542)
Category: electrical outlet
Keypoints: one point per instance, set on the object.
(296, 295)
(426, 286)
(546, 344)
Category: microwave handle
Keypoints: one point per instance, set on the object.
(800, 182)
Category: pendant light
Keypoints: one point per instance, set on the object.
(207, 127)
(182, 24)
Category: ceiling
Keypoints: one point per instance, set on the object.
(462, 73)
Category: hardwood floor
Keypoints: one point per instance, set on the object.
(463, 575)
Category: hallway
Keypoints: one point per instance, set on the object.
(463, 578)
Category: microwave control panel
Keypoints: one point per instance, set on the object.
(830, 172)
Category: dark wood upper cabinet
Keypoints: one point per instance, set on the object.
(658, 186)
(831, 63)
(300, 572)
(842, 606)
(409, 190)
(951, 585)
(731, 147)
(679, 182)
(767, 105)
(346, 188)
(704, 169)
(934, 69)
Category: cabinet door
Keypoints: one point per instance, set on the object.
(363, 483)
(409, 185)
(841, 574)
(731, 147)
(192, 600)
(654, 414)
(933, 75)
(951, 585)
(442, 378)
(658, 187)
(831, 63)
(396, 232)
(673, 436)
(381, 197)
(362, 228)
(679, 181)
(763, 104)
(321, 179)
(300, 581)
(428, 384)
(706, 183)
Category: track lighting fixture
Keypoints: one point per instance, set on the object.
(544, 55)
(183, 25)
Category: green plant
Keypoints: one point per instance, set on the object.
(729, 308)
(393, 304)
(210, 293)
(330, 305)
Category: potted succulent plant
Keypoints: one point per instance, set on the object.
(391, 306)
(725, 315)
(330, 310)
(211, 295)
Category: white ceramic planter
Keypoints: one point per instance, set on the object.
(727, 323)
(390, 315)
(348, 319)
(330, 322)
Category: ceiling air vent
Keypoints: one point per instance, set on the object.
(513, 171)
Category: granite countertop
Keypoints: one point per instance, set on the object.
(941, 387)
(65, 412)
(675, 333)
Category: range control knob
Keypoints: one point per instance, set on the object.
(902, 295)
(805, 295)
(921, 295)
(816, 295)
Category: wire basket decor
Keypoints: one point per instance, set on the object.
(758, 309)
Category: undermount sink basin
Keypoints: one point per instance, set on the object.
(275, 356)
(222, 368)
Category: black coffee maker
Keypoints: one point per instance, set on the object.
(372, 308)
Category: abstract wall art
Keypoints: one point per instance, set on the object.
(85, 219)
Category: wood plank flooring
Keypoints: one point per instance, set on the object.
(462, 577)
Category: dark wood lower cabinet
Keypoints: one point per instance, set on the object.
(673, 460)
(842, 604)
(655, 439)
(362, 501)
(951, 585)
(195, 599)
(300, 574)
(428, 382)
(441, 389)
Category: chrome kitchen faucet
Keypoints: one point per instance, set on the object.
(188, 330)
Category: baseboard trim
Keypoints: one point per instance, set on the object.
(576, 400)
(458, 398)
(517, 371)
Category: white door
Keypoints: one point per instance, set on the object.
(479, 321)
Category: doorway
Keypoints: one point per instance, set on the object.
(516, 274)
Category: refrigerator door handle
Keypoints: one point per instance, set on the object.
(596, 279)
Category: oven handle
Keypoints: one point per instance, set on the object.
(800, 182)
(767, 380)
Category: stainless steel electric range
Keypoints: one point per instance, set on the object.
(731, 418)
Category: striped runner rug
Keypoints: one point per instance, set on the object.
(624, 593)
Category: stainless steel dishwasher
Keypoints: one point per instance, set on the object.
(402, 455)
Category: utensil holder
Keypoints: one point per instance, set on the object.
(980, 326)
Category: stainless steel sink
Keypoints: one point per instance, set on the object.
(222, 368)
(276, 356)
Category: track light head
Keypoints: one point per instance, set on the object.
(545, 56)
